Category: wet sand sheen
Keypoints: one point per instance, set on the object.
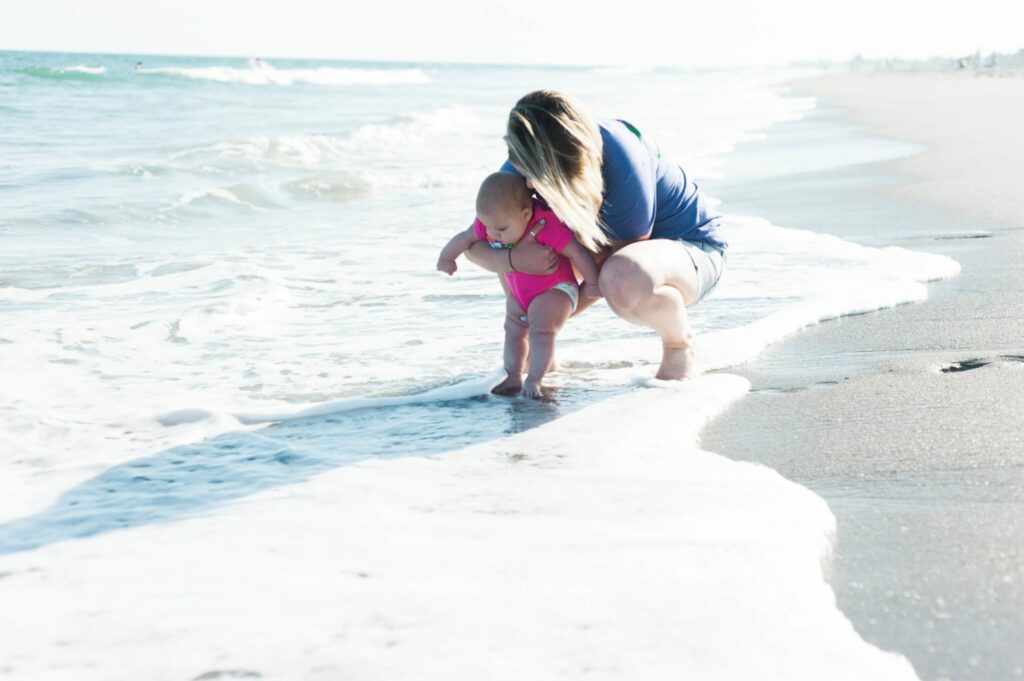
(908, 420)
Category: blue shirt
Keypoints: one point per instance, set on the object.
(645, 193)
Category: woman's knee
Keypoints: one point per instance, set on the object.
(624, 282)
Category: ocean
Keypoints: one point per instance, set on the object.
(234, 389)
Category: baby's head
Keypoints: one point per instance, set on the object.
(505, 206)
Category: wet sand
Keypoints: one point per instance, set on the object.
(910, 421)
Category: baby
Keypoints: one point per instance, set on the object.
(536, 304)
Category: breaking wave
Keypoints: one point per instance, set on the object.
(76, 72)
(262, 73)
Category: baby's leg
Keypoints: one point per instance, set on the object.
(515, 349)
(546, 316)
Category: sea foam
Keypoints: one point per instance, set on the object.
(75, 72)
(265, 74)
(580, 547)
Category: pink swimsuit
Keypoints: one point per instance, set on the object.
(554, 233)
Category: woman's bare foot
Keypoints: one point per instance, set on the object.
(531, 389)
(510, 387)
(677, 364)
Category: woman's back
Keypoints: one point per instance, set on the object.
(643, 188)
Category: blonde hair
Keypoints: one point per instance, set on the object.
(555, 143)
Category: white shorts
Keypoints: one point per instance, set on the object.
(710, 264)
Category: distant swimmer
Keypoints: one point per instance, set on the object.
(138, 65)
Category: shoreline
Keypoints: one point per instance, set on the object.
(875, 413)
(589, 536)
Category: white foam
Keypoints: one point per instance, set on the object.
(395, 139)
(459, 391)
(581, 546)
(401, 153)
(81, 68)
(217, 193)
(622, 70)
(266, 74)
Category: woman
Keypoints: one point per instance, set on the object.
(656, 237)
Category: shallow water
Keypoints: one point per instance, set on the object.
(199, 241)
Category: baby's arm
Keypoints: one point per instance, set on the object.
(583, 260)
(458, 245)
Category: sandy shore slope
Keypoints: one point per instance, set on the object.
(910, 422)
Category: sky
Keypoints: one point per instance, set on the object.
(631, 32)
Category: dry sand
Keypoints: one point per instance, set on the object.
(924, 468)
(973, 127)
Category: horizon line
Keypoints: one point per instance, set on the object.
(438, 62)
(795, 63)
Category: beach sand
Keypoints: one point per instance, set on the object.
(910, 421)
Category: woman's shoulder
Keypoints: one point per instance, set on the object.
(625, 149)
(619, 135)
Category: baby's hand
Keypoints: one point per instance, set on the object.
(447, 266)
(591, 291)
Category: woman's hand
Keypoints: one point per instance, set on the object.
(531, 257)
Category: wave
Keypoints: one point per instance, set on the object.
(76, 72)
(284, 151)
(658, 543)
(249, 195)
(215, 194)
(271, 172)
(333, 168)
(330, 187)
(369, 142)
(262, 73)
(461, 390)
(622, 70)
(333, 187)
(256, 73)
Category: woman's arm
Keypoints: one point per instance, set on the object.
(528, 256)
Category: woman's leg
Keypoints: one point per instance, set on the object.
(651, 283)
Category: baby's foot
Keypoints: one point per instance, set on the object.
(677, 364)
(509, 387)
(531, 389)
